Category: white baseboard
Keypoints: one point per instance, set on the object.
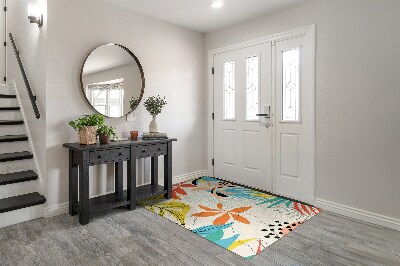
(62, 208)
(358, 214)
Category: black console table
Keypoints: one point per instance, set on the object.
(83, 156)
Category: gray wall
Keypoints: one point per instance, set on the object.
(173, 61)
(357, 96)
(31, 42)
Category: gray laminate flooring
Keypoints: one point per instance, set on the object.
(120, 237)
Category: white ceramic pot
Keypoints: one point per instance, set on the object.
(154, 127)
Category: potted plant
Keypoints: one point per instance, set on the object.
(105, 133)
(87, 128)
(154, 105)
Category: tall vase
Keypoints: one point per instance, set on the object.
(154, 127)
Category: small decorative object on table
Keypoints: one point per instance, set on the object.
(105, 133)
(152, 135)
(154, 105)
(134, 134)
(87, 128)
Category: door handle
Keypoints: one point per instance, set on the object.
(267, 125)
(264, 115)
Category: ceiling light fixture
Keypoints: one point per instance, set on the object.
(217, 4)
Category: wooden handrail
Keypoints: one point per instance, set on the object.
(26, 81)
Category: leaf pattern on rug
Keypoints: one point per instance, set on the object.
(179, 189)
(176, 209)
(226, 215)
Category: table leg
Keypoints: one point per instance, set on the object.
(168, 172)
(84, 189)
(132, 183)
(119, 185)
(154, 170)
(73, 184)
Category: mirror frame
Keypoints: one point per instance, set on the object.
(137, 63)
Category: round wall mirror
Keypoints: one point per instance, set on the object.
(111, 75)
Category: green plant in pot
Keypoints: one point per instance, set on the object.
(154, 106)
(87, 126)
(106, 133)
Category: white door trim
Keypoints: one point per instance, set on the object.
(309, 33)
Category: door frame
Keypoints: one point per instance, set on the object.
(309, 117)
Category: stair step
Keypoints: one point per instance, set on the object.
(8, 96)
(11, 122)
(12, 138)
(6, 157)
(22, 201)
(17, 177)
(15, 108)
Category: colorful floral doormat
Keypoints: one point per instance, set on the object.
(242, 220)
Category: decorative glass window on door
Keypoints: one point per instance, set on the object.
(252, 88)
(290, 84)
(229, 90)
(107, 97)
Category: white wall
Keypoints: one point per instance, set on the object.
(31, 42)
(357, 96)
(173, 61)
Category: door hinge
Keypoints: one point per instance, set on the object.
(212, 162)
(212, 116)
(5, 79)
(5, 43)
(212, 70)
(5, 9)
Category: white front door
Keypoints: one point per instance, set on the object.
(290, 166)
(242, 142)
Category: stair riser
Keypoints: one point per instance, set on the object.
(6, 89)
(17, 189)
(10, 115)
(21, 215)
(17, 166)
(17, 146)
(12, 130)
(7, 102)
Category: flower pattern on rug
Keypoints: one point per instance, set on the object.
(242, 220)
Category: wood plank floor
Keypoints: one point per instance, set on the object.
(139, 237)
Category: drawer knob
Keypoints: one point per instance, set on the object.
(159, 149)
(100, 156)
(144, 150)
(120, 154)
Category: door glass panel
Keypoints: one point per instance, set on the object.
(252, 84)
(290, 84)
(229, 90)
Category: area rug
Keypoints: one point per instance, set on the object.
(240, 219)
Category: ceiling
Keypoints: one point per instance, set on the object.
(198, 14)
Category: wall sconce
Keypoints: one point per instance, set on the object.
(34, 15)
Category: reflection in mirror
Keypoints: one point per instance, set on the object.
(111, 76)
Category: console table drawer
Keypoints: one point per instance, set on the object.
(109, 156)
(151, 150)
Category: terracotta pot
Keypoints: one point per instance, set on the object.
(134, 134)
(87, 135)
(104, 139)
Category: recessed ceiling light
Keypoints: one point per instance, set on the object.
(217, 4)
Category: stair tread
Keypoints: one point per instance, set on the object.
(17, 177)
(11, 138)
(8, 96)
(21, 201)
(11, 122)
(5, 157)
(11, 108)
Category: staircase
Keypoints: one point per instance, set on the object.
(20, 199)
